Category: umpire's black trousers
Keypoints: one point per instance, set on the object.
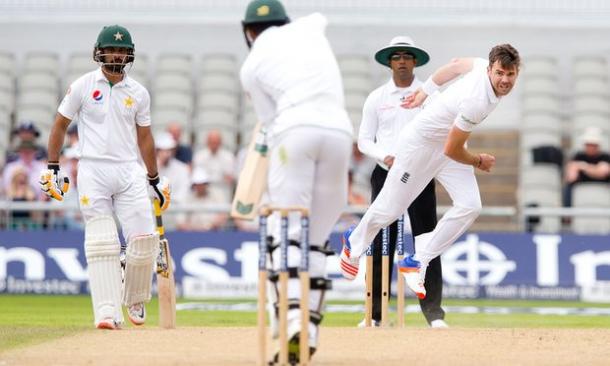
(422, 215)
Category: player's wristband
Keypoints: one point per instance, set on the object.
(480, 161)
(429, 86)
(153, 181)
(53, 165)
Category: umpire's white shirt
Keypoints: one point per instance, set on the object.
(107, 116)
(465, 104)
(290, 90)
(383, 118)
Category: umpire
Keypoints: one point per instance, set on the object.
(383, 117)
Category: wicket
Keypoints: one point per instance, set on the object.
(385, 270)
(265, 211)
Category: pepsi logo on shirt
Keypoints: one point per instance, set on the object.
(97, 95)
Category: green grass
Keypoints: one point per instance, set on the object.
(27, 320)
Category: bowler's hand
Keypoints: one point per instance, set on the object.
(486, 162)
(388, 161)
(415, 100)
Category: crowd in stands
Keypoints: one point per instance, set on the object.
(205, 177)
(588, 164)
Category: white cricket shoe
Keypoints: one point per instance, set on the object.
(107, 323)
(411, 269)
(137, 313)
(438, 324)
(374, 323)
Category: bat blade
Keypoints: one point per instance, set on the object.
(166, 287)
(252, 180)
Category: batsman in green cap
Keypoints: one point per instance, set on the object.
(113, 113)
(293, 81)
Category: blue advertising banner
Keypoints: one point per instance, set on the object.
(224, 264)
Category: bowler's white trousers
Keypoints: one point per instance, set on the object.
(308, 167)
(418, 160)
(105, 187)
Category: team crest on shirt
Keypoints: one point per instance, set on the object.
(97, 96)
(128, 102)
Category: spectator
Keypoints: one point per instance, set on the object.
(201, 195)
(219, 163)
(176, 171)
(184, 153)
(19, 190)
(588, 165)
(26, 159)
(26, 131)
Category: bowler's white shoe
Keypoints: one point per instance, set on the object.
(438, 324)
(107, 323)
(349, 266)
(137, 313)
(411, 269)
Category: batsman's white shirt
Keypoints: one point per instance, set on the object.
(110, 177)
(420, 157)
(107, 116)
(294, 82)
(293, 79)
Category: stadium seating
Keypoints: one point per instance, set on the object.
(219, 63)
(591, 195)
(590, 66)
(543, 197)
(7, 63)
(42, 61)
(204, 93)
(175, 63)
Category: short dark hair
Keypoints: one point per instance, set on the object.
(506, 54)
(259, 28)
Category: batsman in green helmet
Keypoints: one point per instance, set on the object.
(114, 130)
(260, 15)
(114, 49)
(293, 80)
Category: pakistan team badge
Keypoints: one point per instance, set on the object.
(128, 102)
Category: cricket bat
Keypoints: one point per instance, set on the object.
(165, 277)
(252, 180)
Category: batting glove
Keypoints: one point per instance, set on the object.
(53, 182)
(159, 189)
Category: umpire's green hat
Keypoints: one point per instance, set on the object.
(404, 44)
(265, 11)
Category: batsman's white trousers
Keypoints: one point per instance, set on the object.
(105, 187)
(308, 167)
(417, 161)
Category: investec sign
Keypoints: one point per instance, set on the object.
(225, 264)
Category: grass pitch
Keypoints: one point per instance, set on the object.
(31, 319)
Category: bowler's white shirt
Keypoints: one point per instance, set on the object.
(107, 116)
(383, 118)
(293, 79)
(465, 104)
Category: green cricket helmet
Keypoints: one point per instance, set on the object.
(264, 12)
(114, 36)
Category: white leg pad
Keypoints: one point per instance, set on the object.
(102, 249)
(139, 260)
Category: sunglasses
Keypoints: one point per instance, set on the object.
(404, 56)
